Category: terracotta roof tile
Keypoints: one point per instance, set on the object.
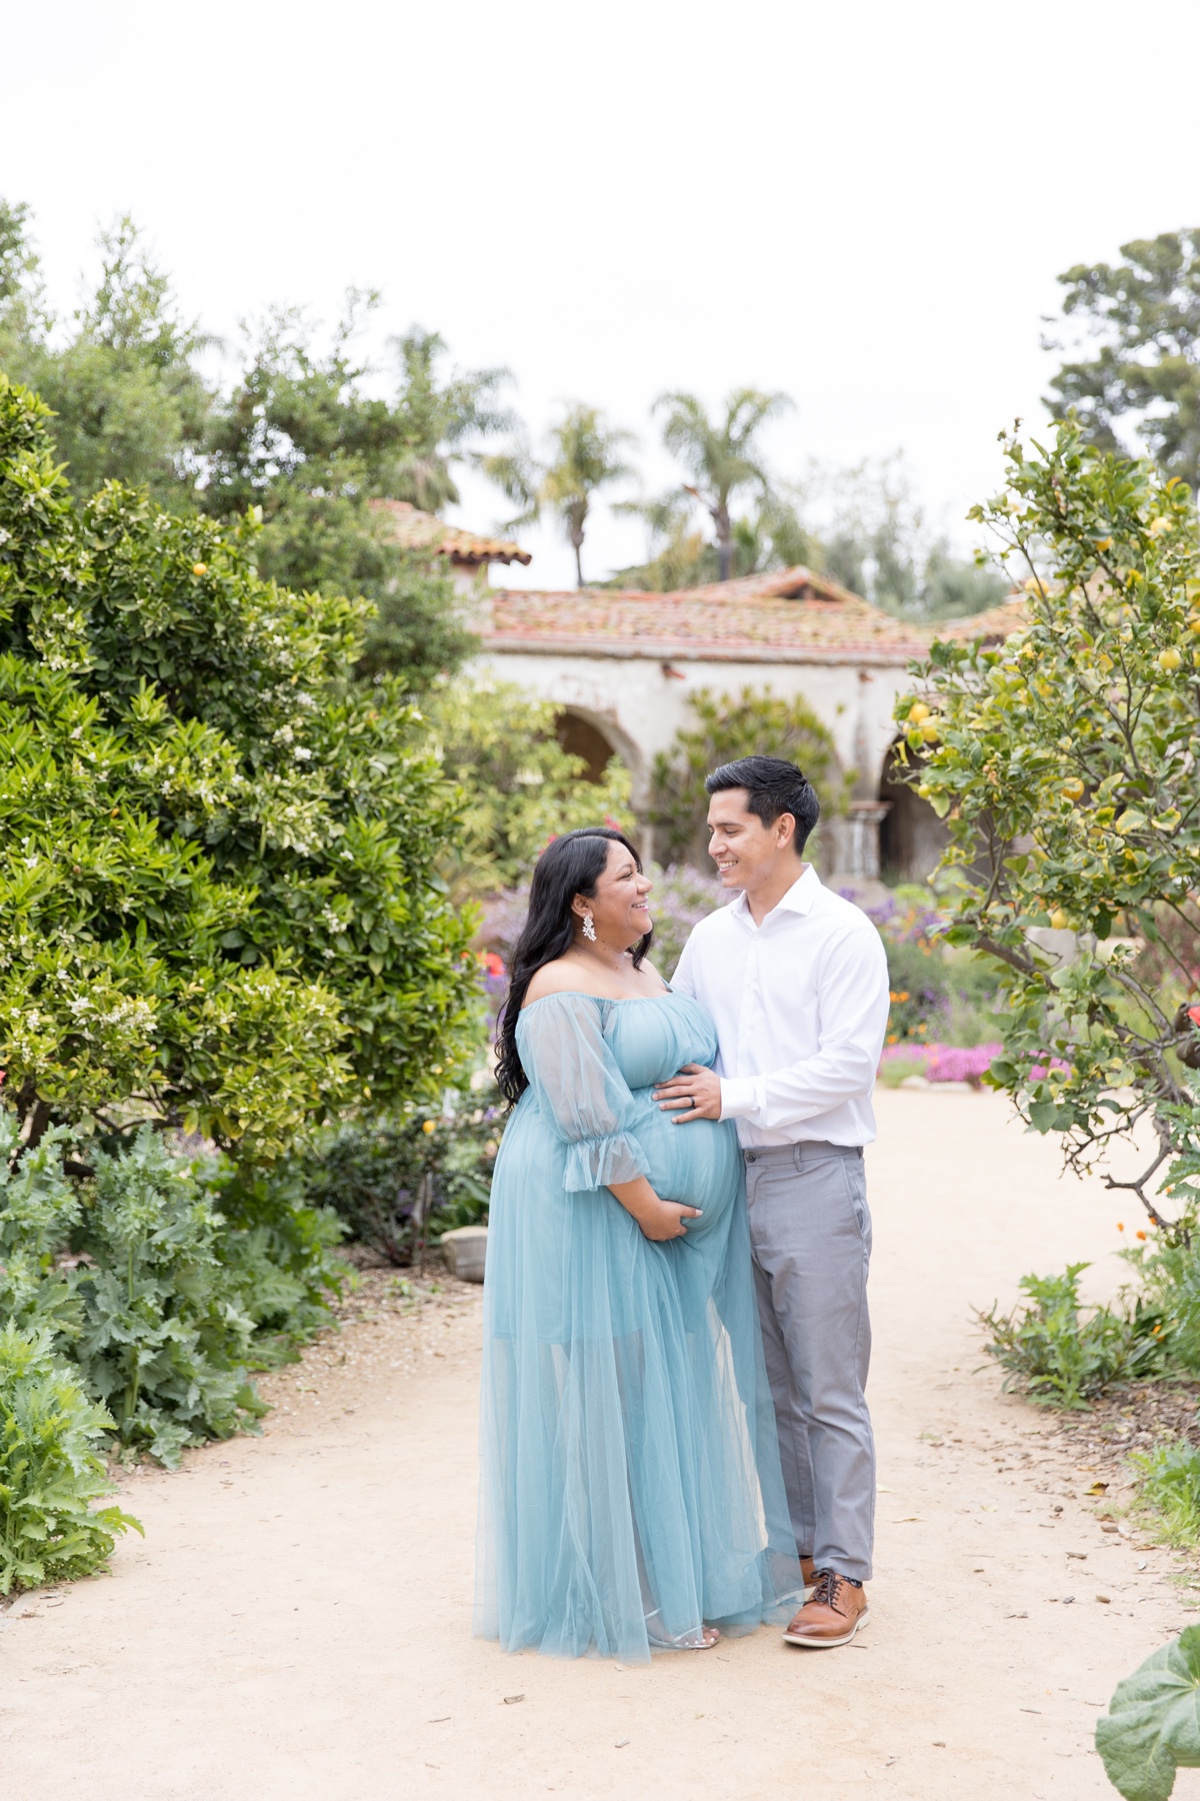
(789, 616)
(416, 530)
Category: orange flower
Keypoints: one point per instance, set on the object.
(1120, 1226)
(1140, 1235)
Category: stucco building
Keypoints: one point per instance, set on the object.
(621, 665)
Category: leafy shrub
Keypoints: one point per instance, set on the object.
(276, 1254)
(1168, 1271)
(219, 852)
(520, 786)
(728, 726)
(182, 1277)
(399, 1183)
(1059, 1357)
(938, 993)
(49, 1471)
(1168, 1480)
(163, 1343)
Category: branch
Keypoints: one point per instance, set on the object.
(1025, 965)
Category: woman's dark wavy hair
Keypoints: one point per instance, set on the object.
(571, 865)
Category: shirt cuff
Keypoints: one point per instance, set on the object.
(739, 1096)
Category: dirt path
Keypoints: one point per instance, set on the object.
(296, 1623)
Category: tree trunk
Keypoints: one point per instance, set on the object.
(724, 544)
(577, 547)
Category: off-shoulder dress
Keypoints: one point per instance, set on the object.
(630, 1479)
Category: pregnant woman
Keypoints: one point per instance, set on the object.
(631, 1494)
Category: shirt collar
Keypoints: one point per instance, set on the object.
(798, 899)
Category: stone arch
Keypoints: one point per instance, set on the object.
(911, 836)
(596, 739)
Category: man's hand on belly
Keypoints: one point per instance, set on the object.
(695, 1088)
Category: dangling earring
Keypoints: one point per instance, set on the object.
(589, 930)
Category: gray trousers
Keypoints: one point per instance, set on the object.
(811, 1235)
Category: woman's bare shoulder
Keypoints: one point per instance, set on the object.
(553, 978)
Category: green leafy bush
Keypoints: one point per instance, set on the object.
(182, 1277)
(729, 726)
(1168, 1274)
(400, 1183)
(1168, 1480)
(521, 787)
(219, 852)
(1152, 1726)
(1062, 758)
(1061, 1357)
(50, 1473)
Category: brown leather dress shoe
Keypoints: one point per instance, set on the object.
(831, 1616)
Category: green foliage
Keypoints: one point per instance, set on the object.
(771, 537)
(730, 726)
(161, 1342)
(50, 1473)
(303, 438)
(720, 456)
(878, 544)
(920, 989)
(182, 1277)
(1141, 323)
(218, 854)
(1169, 1490)
(585, 456)
(1152, 1726)
(399, 1183)
(520, 786)
(1058, 1356)
(1063, 763)
(128, 399)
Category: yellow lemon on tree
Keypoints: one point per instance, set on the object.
(1169, 658)
(1158, 526)
(199, 568)
(924, 790)
(1194, 622)
(1073, 789)
(1059, 920)
(429, 1125)
(930, 732)
(918, 711)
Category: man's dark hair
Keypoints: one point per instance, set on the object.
(772, 787)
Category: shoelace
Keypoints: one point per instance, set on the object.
(825, 1590)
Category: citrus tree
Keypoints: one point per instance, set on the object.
(218, 851)
(1064, 760)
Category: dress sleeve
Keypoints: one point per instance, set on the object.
(580, 1091)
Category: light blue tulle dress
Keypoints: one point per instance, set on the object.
(630, 1479)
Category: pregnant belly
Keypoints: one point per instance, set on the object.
(699, 1163)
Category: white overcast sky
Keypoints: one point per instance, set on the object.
(863, 205)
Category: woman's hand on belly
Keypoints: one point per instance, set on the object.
(695, 1088)
(658, 1219)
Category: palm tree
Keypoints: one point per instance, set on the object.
(433, 416)
(722, 457)
(585, 456)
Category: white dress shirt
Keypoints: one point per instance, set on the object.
(800, 1004)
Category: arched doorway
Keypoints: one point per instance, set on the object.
(911, 836)
(582, 737)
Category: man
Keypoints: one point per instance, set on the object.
(796, 980)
